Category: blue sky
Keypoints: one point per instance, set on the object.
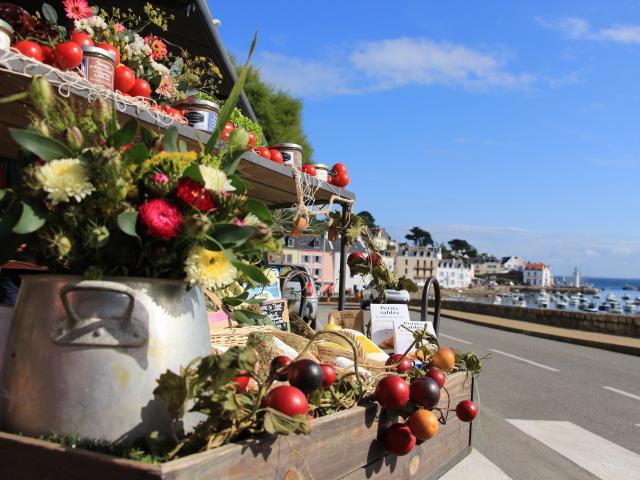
(512, 124)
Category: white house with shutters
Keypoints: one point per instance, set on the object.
(454, 273)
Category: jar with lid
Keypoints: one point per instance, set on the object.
(200, 114)
(6, 34)
(322, 171)
(98, 66)
(291, 154)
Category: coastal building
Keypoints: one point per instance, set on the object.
(417, 263)
(537, 275)
(454, 273)
(483, 267)
(511, 264)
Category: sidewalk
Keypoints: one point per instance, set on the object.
(615, 343)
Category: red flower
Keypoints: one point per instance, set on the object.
(194, 194)
(161, 218)
(158, 48)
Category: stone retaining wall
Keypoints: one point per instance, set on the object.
(593, 322)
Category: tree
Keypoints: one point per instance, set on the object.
(463, 247)
(279, 114)
(419, 237)
(368, 219)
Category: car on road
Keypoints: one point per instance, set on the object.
(370, 295)
(291, 291)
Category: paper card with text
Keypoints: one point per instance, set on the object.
(403, 333)
(381, 323)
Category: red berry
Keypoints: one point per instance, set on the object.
(306, 375)
(242, 381)
(288, 400)
(141, 88)
(466, 410)
(438, 376)
(279, 363)
(398, 439)
(328, 375)
(30, 49)
(392, 392)
(425, 392)
(405, 363)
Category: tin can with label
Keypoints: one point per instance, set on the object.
(6, 34)
(322, 171)
(291, 154)
(200, 114)
(98, 66)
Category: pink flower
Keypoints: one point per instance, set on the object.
(158, 48)
(160, 178)
(162, 219)
(77, 9)
(118, 27)
(239, 222)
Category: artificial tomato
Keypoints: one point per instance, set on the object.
(404, 364)
(264, 152)
(141, 88)
(437, 375)
(328, 375)
(252, 140)
(392, 392)
(375, 258)
(330, 179)
(423, 424)
(279, 366)
(175, 113)
(288, 400)
(466, 410)
(339, 168)
(124, 79)
(444, 359)
(68, 55)
(305, 375)
(242, 381)
(30, 49)
(112, 49)
(356, 257)
(226, 131)
(425, 391)
(82, 39)
(398, 439)
(309, 169)
(341, 180)
(49, 55)
(276, 156)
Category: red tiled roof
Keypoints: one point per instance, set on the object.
(535, 266)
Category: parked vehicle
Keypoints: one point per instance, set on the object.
(291, 291)
(370, 295)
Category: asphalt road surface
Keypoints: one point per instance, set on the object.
(548, 410)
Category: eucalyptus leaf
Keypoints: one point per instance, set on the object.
(170, 140)
(239, 185)
(260, 210)
(36, 143)
(32, 217)
(127, 223)
(254, 273)
(49, 13)
(231, 235)
(176, 68)
(126, 134)
(230, 103)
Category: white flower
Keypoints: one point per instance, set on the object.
(160, 68)
(90, 24)
(65, 179)
(137, 48)
(215, 180)
(209, 269)
(251, 220)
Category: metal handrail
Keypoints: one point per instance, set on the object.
(424, 312)
(302, 276)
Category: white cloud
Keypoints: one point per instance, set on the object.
(580, 29)
(392, 63)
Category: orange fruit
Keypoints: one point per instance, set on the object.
(424, 424)
(444, 359)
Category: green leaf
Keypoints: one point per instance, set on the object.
(148, 136)
(240, 317)
(127, 223)
(173, 392)
(44, 147)
(14, 98)
(170, 140)
(232, 301)
(231, 235)
(239, 185)
(254, 273)
(126, 134)
(32, 217)
(193, 172)
(276, 422)
(136, 154)
(49, 13)
(182, 146)
(230, 103)
(260, 210)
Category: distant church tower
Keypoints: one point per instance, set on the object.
(576, 277)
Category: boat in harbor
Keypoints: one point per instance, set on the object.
(611, 298)
(604, 307)
(561, 303)
(627, 286)
(596, 295)
(616, 309)
(637, 301)
(629, 308)
(591, 308)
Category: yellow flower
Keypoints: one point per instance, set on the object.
(176, 161)
(209, 269)
(65, 179)
(215, 180)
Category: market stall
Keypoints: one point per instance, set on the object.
(112, 366)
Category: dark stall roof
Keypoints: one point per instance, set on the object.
(192, 30)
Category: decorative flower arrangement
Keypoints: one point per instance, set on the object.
(170, 74)
(93, 202)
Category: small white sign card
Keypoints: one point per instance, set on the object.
(381, 322)
(403, 333)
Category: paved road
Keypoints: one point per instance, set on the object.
(549, 410)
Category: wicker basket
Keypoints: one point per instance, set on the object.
(236, 336)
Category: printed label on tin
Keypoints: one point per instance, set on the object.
(202, 119)
(98, 71)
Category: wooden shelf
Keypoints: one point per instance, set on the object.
(268, 181)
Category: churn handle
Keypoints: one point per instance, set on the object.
(424, 313)
(96, 285)
(303, 287)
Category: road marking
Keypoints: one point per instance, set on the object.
(595, 454)
(622, 392)
(530, 362)
(455, 338)
(476, 466)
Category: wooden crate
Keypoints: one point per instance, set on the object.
(341, 446)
